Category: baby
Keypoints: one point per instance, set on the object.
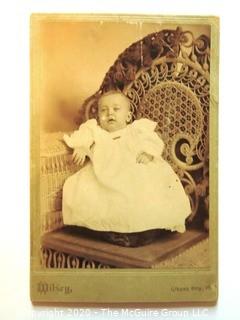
(126, 187)
(114, 114)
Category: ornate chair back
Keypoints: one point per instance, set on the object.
(166, 78)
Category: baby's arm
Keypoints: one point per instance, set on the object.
(151, 148)
(144, 157)
(150, 145)
(81, 141)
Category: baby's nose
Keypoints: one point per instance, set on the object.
(110, 111)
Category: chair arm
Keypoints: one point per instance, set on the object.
(56, 166)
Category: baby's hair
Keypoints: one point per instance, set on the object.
(112, 92)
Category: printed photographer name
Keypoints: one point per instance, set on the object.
(44, 288)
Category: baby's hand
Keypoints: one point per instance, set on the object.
(144, 157)
(79, 155)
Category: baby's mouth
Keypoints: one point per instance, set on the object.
(111, 120)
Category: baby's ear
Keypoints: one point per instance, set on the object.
(129, 117)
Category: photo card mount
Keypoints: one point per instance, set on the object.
(168, 69)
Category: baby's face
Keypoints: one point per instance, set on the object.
(113, 112)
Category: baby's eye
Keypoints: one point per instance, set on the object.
(116, 108)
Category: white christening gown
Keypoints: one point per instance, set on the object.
(112, 192)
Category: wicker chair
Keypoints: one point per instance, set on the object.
(166, 78)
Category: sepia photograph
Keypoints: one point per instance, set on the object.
(121, 121)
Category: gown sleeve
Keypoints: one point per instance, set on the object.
(83, 137)
(149, 140)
